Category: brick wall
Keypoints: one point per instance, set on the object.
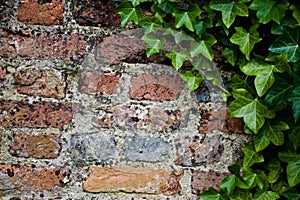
(85, 115)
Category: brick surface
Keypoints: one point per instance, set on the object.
(36, 146)
(140, 117)
(41, 82)
(92, 83)
(41, 12)
(133, 180)
(95, 13)
(31, 178)
(195, 151)
(6, 10)
(220, 120)
(145, 148)
(37, 115)
(3, 72)
(149, 87)
(93, 147)
(202, 180)
(42, 45)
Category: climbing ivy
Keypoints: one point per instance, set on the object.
(260, 41)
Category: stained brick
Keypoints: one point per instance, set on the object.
(36, 146)
(149, 87)
(141, 117)
(41, 12)
(37, 115)
(31, 178)
(92, 83)
(95, 13)
(3, 72)
(41, 82)
(195, 151)
(202, 180)
(42, 45)
(220, 120)
(6, 9)
(132, 179)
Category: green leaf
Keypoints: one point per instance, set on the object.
(137, 2)
(129, 13)
(237, 82)
(288, 43)
(251, 157)
(149, 26)
(254, 179)
(193, 81)
(293, 172)
(154, 45)
(280, 186)
(187, 18)
(203, 47)
(294, 136)
(268, 10)
(261, 141)
(178, 57)
(245, 40)
(266, 195)
(229, 183)
(275, 170)
(230, 56)
(292, 194)
(296, 11)
(295, 99)
(241, 195)
(288, 156)
(168, 7)
(252, 110)
(230, 9)
(211, 194)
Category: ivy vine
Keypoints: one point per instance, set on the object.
(260, 41)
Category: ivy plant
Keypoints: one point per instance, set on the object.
(260, 42)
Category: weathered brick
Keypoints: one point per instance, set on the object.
(133, 180)
(42, 45)
(49, 83)
(92, 83)
(36, 115)
(92, 147)
(37, 146)
(95, 13)
(41, 12)
(3, 72)
(202, 180)
(220, 120)
(31, 178)
(149, 87)
(6, 10)
(145, 148)
(140, 117)
(195, 151)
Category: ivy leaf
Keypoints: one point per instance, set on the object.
(293, 172)
(294, 136)
(230, 9)
(203, 47)
(237, 82)
(149, 26)
(178, 57)
(254, 179)
(241, 195)
(268, 10)
(245, 40)
(193, 81)
(252, 110)
(288, 43)
(292, 194)
(211, 194)
(295, 99)
(129, 13)
(275, 170)
(230, 56)
(266, 195)
(187, 18)
(137, 2)
(168, 7)
(251, 156)
(154, 45)
(296, 11)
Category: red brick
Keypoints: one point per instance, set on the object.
(96, 13)
(31, 178)
(133, 179)
(42, 45)
(149, 87)
(93, 83)
(38, 12)
(37, 115)
(36, 146)
(6, 9)
(220, 120)
(195, 151)
(142, 118)
(202, 180)
(49, 83)
(3, 72)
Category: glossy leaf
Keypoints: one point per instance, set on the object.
(266, 195)
(245, 40)
(203, 47)
(251, 156)
(294, 136)
(268, 10)
(252, 110)
(211, 194)
(187, 18)
(230, 56)
(254, 179)
(296, 11)
(154, 44)
(128, 13)
(295, 99)
(275, 170)
(293, 172)
(137, 2)
(193, 81)
(178, 57)
(241, 195)
(292, 194)
(230, 9)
